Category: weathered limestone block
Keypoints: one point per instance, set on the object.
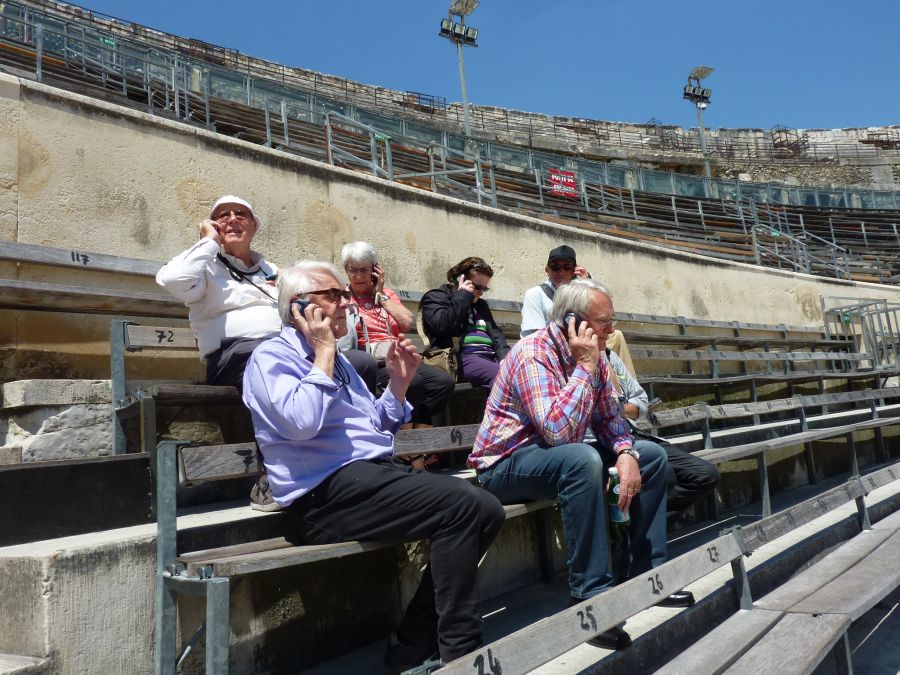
(25, 393)
(54, 433)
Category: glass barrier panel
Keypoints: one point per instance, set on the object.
(729, 190)
(754, 192)
(455, 142)
(689, 186)
(778, 195)
(227, 86)
(386, 125)
(54, 35)
(423, 134)
(12, 25)
(322, 106)
(504, 154)
(832, 198)
(866, 200)
(884, 200)
(538, 158)
(617, 176)
(807, 197)
(657, 181)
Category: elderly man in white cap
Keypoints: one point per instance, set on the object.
(228, 288)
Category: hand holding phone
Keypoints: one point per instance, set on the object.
(301, 305)
(465, 284)
(378, 278)
(568, 318)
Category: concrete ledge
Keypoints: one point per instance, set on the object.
(28, 393)
(11, 664)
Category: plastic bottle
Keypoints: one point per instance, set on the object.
(617, 516)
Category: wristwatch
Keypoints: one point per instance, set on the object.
(634, 453)
(380, 299)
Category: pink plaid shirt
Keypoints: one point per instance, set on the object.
(541, 397)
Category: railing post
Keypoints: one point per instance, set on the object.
(328, 152)
(38, 52)
(284, 122)
(268, 126)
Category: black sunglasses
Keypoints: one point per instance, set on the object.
(334, 294)
(556, 267)
(479, 287)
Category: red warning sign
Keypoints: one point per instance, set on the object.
(563, 183)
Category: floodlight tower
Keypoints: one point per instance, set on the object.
(462, 35)
(696, 94)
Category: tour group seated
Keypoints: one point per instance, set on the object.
(321, 359)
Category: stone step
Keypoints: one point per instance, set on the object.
(13, 664)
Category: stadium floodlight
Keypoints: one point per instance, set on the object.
(696, 93)
(463, 7)
(461, 34)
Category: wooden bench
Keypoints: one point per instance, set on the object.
(536, 644)
(207, 573)
(794, 627)
(801, 407)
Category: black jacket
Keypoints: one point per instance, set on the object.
(445, 315)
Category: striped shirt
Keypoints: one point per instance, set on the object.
(542, 397)
(477, 339)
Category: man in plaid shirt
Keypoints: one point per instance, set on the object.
(551, 388)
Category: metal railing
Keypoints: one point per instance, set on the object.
(873, 325)
(251, 79)
(186, 89)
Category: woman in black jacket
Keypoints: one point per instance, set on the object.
(457, 310)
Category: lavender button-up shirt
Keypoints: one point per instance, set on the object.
(309, 425)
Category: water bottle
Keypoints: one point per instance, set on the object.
(617, 516)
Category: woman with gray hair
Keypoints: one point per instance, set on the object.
(380, 320)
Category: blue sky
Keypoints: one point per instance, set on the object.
(797, 63)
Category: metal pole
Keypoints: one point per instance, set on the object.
(703, 141)
(38, 52)
(462, 84)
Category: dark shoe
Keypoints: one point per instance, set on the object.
(677, 599)
(400, 657)
(614, 638)
(261, 496)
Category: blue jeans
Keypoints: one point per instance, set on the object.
(575, 473)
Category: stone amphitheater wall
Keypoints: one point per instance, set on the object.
(86, 175)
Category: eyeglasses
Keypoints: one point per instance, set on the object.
(240, 214)
(556, 267)
(358, 270)
(606, 324)
(479, 287)
(334, 294)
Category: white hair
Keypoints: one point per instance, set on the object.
(575, 297)
(299, 280)
(360, 252)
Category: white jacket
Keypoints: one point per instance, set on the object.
(221, 304)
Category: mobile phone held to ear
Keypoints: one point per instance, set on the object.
(571, 315)
(301, 306)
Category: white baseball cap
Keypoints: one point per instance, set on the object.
(231, 199)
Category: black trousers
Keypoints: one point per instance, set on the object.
(429, 391)
(384, 500)
(226, 365)
(690, 478)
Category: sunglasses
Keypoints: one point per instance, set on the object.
(556, 267)
(240, 214)
(334, 294)
(479, 287)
